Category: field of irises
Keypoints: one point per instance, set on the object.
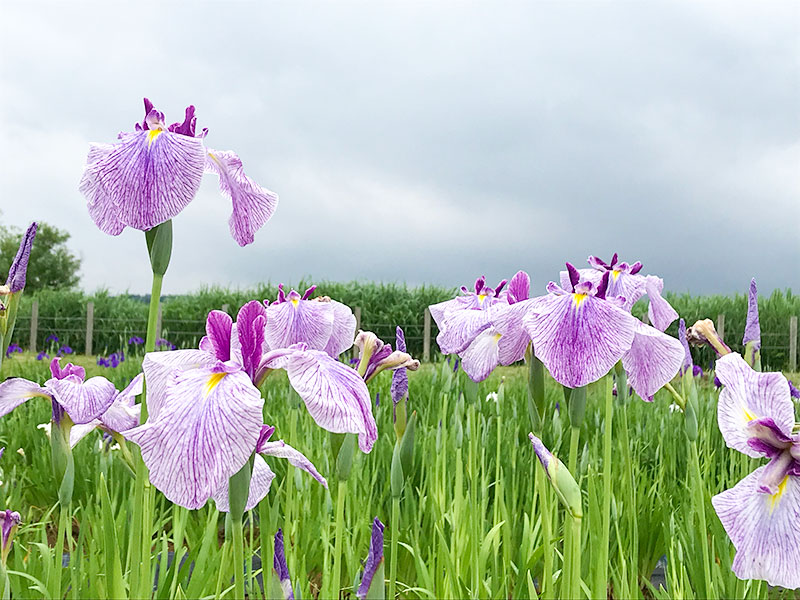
(564, 449)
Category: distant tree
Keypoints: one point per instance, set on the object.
(52, 265)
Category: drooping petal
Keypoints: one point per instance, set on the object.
(653, 360)
(460, 327)
(142, 181)
(59, 372)
(19, 267)
(764, 529)
(253, 205)
(78, 432)
(260, 482)
(218, 332)
(83, 400)
(250, 331)
(660, 312)
(748, 396)
(625, 285)
(481, 356)
(296, 458)
(578, 338)
(336, 397)
(16, 391)
(299, 321)
(439, 310)
(343, 331)
(374, 560)
(158, 368)
(514, 337)
(205, 431)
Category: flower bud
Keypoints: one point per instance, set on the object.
(9, 521)
(564, 484)
(703, 332)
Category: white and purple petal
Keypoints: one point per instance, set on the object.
(749, 396)
(253, 205)
(145, 179)
(578, 337)
(764, 529)
(336, 397)
(204, 433)
(250, 333)
(83, 401)
(482, 356)
(299, 320)
(343, 331)
(459, 328)
(652, 361)
(260, 483)
(281, 449)
(660, 312)
(158, 368)
(16, 391)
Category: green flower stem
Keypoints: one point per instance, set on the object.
(64, 520)
(698, 496)
(573, 576)
(393, 552)
(336, 581)
(238, 558)
(601, 581)
(542, 488)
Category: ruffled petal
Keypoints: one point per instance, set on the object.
(439, 310)
(460, 327)
(142, 181)
(653, 360)
(630, 287)
(205, 432)
(344, 329)
(83, 400)
(764, 529)
(296, 458)
(16, 391)
(749, 396)
(299, 321)
(335, 396)
(260, 482)
(660, 312)
(253, 205)
(578, 338)
(515, 339)
(158, 368)
(481, 356)
(591, 275)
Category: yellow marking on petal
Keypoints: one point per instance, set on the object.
(481, 298)
(615, 273)
(295, 301)
(212, 382)
(579, 298)
(497, 337)
(773, 499)
(152, 135)
(748, 415)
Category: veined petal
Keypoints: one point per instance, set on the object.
(260, 482)
(591, 275)
(135, 388)
(253, 205)
(16, 391)
(515, 339)
(19, 266)
(653, 360)
(83, 400)
(374, 560)
(299, 321)
(764, 529)
(158, 368)
(748, 396)
(519, 287)
(660, 312)
(335, 396)
(578, 338)
(439, 310)
(250, 331)
(205, 431)
(78, 432)
(460, 327)
(630, 287)
(481, 356)
(218, 331)
(142, 181)
(343, 331)
(296, 458)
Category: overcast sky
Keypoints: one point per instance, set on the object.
(426, 142)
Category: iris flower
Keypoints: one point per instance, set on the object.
(17, 273)
(321, 323)
(761, 513)
(205, 408)
(152, 173)
(374, 560)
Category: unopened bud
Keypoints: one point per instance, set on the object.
(703, 332)
(563, 482)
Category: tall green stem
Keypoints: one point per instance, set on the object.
(700, 509)
(238, 558)
(336, 581)
(542, 486)
(393, 552)
(64, 520)
(601, 580)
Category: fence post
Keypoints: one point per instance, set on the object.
(793, 344)
(158, 322)
(426, 336)
(721, 326)
(34, 324)
(357, 313)
(89, 326)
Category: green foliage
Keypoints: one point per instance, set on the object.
(52, 264)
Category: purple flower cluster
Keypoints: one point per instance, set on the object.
(12, 348)
(135, 341)
(112, 361)
(161, 343)
(42, 356)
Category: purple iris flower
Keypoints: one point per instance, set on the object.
(321, 323)
(9, 521)
(135, 341)
(162, 343)
(206, 409)
(626, 282)
(152, 174)
(375, 356)
(793, 391)
(12, 348)
(113, 361)
(83, 400)
(42, 355)
(697, 371)
(374, 559)
(51, 338)
(19, 267)
(761, 514)
(580, 335)
(122, 414)
(102, 362)
(399, 389)
(64, 350)
(752, 330)
(281, 568)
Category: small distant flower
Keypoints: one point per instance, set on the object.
(491, 397)
(151, 174)
(42, 355)
(135, 341)
(21, 452)
(51, 338)
(377, 399)
(19, 267)
(674, 407)
(456, 364)
(697, 371)
(102, 362)
(162, 343)
(113, 361)
(793, 391)
(64, 350)
(12, 348)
